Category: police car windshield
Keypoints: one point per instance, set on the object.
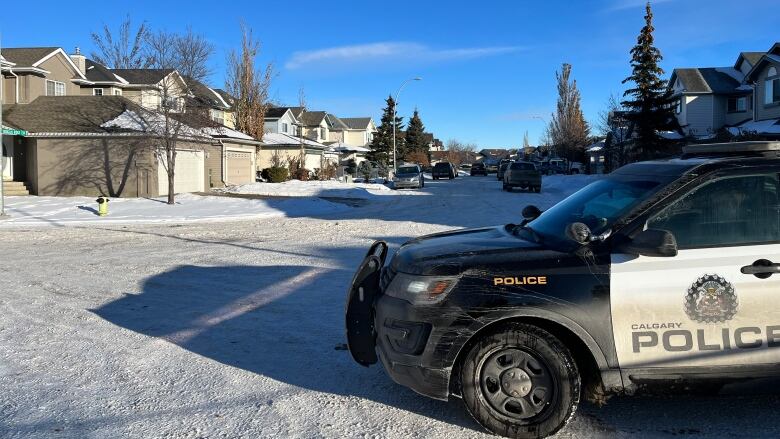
(597, 205)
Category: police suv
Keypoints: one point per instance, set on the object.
(662, 271)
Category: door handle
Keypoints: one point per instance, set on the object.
(761, 269)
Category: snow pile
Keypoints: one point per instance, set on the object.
(760, 126)
(330, 188)
(188, 208)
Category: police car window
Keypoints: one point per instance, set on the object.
(598, 205)
(730, 211)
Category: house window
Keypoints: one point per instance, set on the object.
(97, 92)
(737, 104)
(218, 116)
(678, 106)
(772, 87)
(284, 127)
(55, 88)
(117, 92)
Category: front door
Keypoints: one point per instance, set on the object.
(716, 302)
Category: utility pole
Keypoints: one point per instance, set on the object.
(2, 160)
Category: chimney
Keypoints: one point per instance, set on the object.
(80, 61)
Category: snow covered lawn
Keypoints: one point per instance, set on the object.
(60, 211)
(332, 188)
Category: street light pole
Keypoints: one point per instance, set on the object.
(2, 159)
(395, 115)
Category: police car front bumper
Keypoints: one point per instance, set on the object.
(413, 343)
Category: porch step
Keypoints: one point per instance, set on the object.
(15, 188)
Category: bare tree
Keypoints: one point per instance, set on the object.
(459, 152)
(568, 129)
(192, 55)
(170, 121)
(249, 85)
(302, 105)
(123, 48)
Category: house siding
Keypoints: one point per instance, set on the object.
(719, 106)
(764, 111)
(60, 71)
(698, 115)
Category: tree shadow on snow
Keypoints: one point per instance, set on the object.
(283, 322)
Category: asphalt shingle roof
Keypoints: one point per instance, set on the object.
(276, 112)
(356, 123)
(66, 114)
(707, 80)
(204, 94)
(26, 56)
(98, 72)
(336, 123)
(752, 57)
(143, 76)
(312, 118)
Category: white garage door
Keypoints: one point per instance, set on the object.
(189, 173)
(240, 169)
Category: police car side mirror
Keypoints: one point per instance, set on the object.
(531, 212)
(652, 242)
(579, 233)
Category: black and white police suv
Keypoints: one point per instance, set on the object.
(662, 271)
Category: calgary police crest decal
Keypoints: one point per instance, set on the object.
(711, 299)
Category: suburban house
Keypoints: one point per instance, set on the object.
(75, 127)
(281, 120)
(743, 98)
(357, 131)
(765, 79)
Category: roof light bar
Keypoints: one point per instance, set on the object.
(732, 147)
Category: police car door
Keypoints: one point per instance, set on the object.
(717, 302)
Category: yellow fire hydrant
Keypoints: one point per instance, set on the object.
(102, 206)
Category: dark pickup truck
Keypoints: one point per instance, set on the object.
(523, 175)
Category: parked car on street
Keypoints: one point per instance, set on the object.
(443, 170)
(523, 175)
(408, 176)
(478, 169)
(661, 272)
(502, 168)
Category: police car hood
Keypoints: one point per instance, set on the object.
(449, 253)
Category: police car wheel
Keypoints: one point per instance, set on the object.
(521, 382)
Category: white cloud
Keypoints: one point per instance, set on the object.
(385, 51)
(620, 5)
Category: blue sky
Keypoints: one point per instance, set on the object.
(487, 67)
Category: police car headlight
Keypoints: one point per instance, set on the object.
(421, 290)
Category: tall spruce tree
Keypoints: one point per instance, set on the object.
(382, 143)
(650, 99)
(415, 135)
(568, 130)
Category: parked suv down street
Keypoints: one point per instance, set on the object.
(478, 169)
(662, 271)
(443, 170)
(408, 176)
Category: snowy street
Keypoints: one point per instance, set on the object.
(234, 327)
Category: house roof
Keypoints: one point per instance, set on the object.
(227, 97)
(205, 94)
(718, 80)
(67, 114)
(768, 58)
(494, 152)
(97, 72)
(336, 123)
(751, 57)
(357, 123)
(142, 76)
(312, 118)
(26, 56)
(281, 139)
(276, 112)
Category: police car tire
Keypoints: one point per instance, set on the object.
(560, 365)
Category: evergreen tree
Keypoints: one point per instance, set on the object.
(650, 99)
(382, 144)
(415, 136)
